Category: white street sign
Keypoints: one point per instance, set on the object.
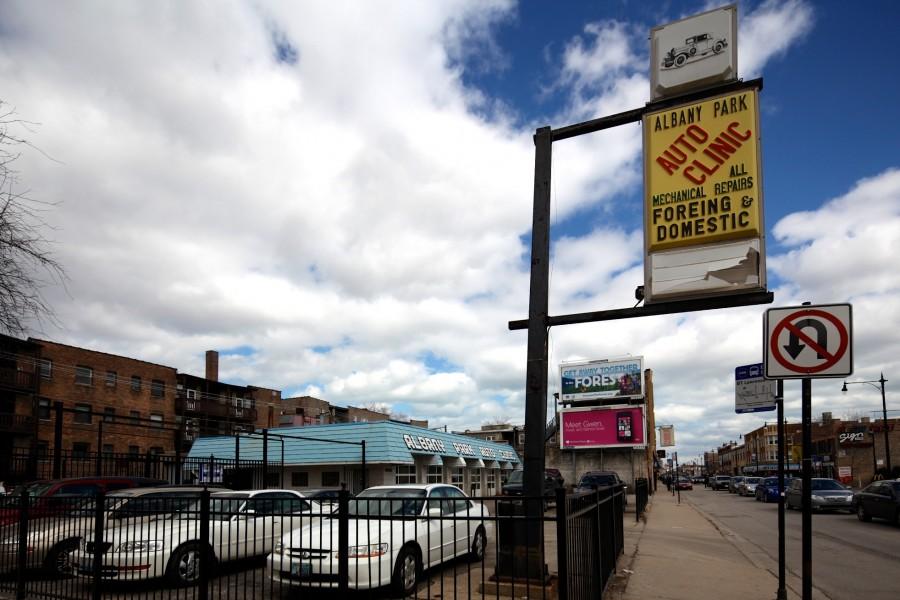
(808, 341)
(752, 391)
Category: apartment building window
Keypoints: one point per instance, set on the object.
(109, 415)
(135, 383)
(112, 378)
(134, 450)
(299, 479)
(45, 367)
(83, 413)
(404, 474)
(331, 478)
(43, 448)
(107, 449)
(134, 417)
(156, 450)
(84, 375)
(43, 409)
(435, 474)
(80, 449)
(157, 388)
(156, 419)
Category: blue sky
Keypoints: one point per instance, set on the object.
(337, 196)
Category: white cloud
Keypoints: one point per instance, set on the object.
(769, 31)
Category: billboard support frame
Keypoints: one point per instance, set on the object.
(539, 322)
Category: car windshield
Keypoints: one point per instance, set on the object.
(598, 479)
(515, 477)
(221, 508)
(770, 481)
(754, 479)
(399, 502)
(33, 489)
(826, 484)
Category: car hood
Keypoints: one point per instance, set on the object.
(324, 535)
(832, 493)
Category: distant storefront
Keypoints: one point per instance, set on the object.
(328, 455)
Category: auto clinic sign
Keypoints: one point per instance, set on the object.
(602, 427)
(702, 176)
(599, 379)
(703, 205)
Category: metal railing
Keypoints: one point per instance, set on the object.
(201, 543)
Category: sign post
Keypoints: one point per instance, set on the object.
(802, 342)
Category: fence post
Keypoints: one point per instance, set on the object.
(22, 550)
(562, 543)
(265, 481)
(98, 544)
(343, 539)
(205, 557)
(57, 439)
(178, 468)
(98, 467)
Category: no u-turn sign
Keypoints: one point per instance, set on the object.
(808, 341)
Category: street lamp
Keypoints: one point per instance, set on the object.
(887, 444)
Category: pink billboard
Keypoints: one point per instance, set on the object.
(600, 427)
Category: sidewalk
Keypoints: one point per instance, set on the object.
(676, 553)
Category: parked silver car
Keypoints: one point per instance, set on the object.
(748, 486)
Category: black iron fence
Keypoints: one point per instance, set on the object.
(641, 497)
(191, 542)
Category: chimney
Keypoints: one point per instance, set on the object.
(212, 365)
(826, 418)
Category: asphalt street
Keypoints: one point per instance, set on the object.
(851, 559)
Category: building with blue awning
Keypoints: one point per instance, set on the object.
(316, 456)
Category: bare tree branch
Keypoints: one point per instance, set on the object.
(26, 266)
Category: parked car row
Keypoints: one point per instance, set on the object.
(395, 533)
(880, 499)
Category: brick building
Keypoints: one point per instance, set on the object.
(206, 406)
(112, 404)
(18, 393)
(309, 410)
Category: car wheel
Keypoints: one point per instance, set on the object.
(479, 544)
(59, 559)
(184, 566)
(718, 47)
(680, 60)
(406, 571)
(862, 514)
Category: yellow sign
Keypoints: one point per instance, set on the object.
(702, 172)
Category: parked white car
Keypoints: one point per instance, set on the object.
(241, 525)
(395, 532)
(51, 540)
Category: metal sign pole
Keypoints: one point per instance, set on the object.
(781, 594)
(807, 491)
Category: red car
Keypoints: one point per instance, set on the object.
(51, 497)
(684, 483)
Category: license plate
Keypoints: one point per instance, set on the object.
(301, 569)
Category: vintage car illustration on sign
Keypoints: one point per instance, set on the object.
(694, 48)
